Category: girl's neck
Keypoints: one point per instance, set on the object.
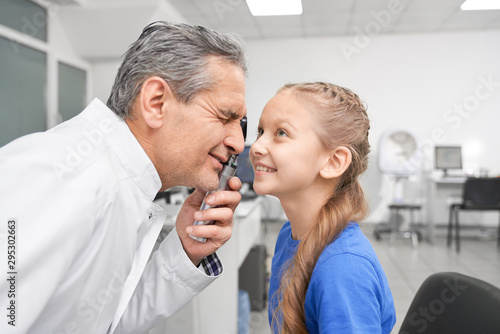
(302, 210)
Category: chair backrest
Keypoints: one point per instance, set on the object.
(453, 303)
(482, 193)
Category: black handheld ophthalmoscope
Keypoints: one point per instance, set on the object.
(227, 172)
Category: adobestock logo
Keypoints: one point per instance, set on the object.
(39, 20)
(89, 309)
(75, 155)
(222, 6)
(363, 38)
(470, 103)
(454, 118)
(436, 307)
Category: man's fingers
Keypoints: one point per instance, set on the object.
(217, 233)
(222, 214)
(235, 183)
(224, 198)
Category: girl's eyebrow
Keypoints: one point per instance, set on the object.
(286, 121)
(279, 122)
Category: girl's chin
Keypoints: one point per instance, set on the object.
(261, 190)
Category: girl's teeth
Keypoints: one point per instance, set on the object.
(264, 169)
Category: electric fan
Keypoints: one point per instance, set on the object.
(399, 157)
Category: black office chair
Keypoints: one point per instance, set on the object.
(479, 194)
(453, 303)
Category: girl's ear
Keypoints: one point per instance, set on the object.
(338, 161)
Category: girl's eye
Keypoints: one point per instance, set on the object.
(281, 133)
(260, 132)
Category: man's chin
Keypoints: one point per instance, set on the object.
(209, 184)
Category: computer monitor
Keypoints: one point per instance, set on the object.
(245, 170)
(448, 157)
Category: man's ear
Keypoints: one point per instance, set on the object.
(154, 95)
(338, 161)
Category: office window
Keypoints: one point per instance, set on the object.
(24, 16)
(72, 90)
(23, 77)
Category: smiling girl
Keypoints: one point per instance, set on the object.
(311, 147)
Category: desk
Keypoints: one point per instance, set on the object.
(440, 193)
(215, 310)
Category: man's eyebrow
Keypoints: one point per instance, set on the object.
(230, 114)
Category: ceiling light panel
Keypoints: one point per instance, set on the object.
(275, 7)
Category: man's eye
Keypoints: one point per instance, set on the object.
(225, 120)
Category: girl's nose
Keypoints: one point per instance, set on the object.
(258, 147)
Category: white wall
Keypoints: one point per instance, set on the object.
(418, 81)
(415, 81)
(406, 80)
(104, 73)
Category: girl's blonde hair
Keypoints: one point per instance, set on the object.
(340, 119)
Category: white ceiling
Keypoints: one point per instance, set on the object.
(338, 17)
(111, 25)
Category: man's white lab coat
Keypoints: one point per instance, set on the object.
(81, 198)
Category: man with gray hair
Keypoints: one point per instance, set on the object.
(80, 195)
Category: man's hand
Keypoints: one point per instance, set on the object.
(217, 234)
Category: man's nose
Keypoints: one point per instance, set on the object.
(235, 141)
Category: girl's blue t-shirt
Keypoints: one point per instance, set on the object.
(348, 291)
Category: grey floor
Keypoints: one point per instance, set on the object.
(407, 267)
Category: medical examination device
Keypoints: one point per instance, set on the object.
(228, 171)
